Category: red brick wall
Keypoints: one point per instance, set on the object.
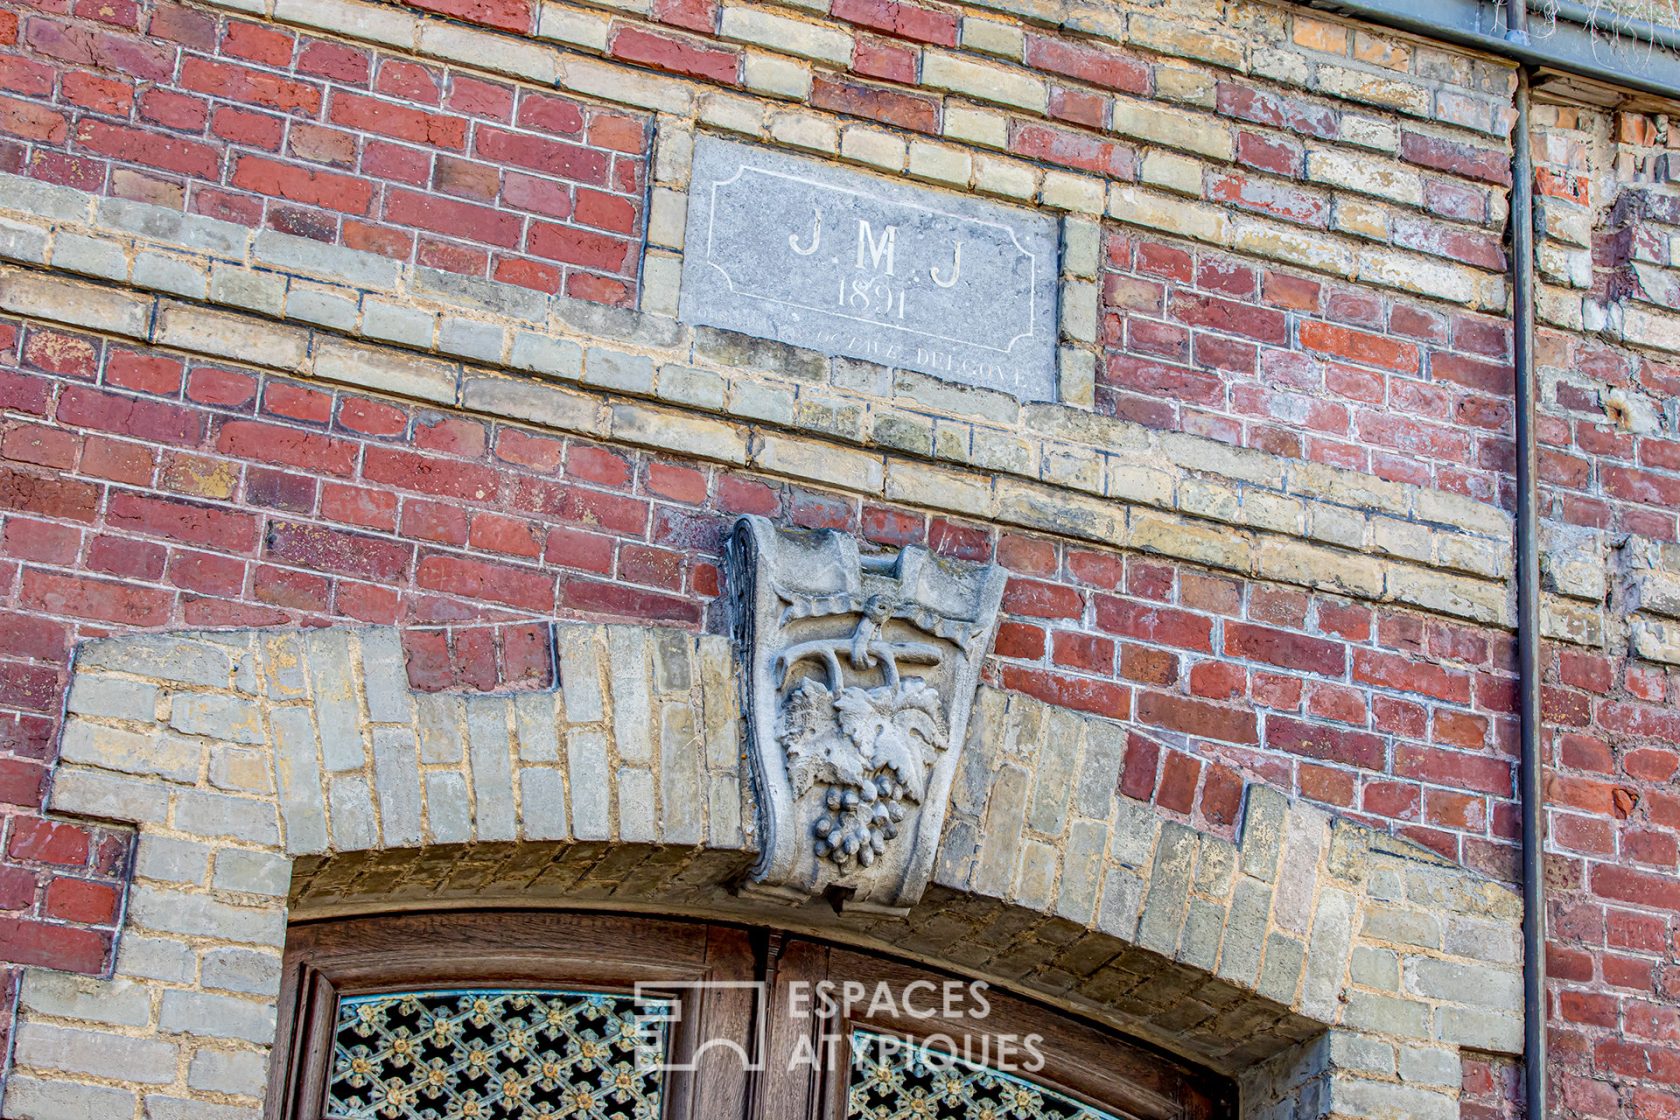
(257, 125)
(139, 490)
(1198, 340)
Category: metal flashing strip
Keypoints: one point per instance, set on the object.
(1620, 51)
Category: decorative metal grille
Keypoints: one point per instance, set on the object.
(497, 1055)
(892, 1079)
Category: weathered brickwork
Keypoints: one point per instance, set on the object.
(1202, 341)
(323, 362)
(345, 145)
(271, 747)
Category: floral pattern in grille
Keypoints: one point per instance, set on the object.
(497, 1055)
(892, 1079)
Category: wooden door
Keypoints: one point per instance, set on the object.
(747, 1025)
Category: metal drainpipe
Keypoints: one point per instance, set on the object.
(1528, 594)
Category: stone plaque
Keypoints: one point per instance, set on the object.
(846, 263)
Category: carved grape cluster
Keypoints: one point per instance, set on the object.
(859, 821)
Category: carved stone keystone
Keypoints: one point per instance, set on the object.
(860, 674)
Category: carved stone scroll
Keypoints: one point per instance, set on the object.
(860, 672)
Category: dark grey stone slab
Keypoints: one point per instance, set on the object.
(845, 263)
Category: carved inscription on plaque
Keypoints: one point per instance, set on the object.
(835, 260)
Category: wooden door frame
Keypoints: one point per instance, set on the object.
(601, 951)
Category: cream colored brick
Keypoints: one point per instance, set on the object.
(1081, 247)
(1007, 177)
(1080, 310)
(1176, 37)
(1319, 35)
(1138, 207)
(1362, 219)
(809, 461)
(777, 76)
(984, 82)
(1355, 172)
(232, 336)
(736, 114)
(1288, 67)
(612, 82)
(577, 26)
(667, 217)
(1373, 89)
(1165, 535)
(1006, 40)
(1135, 482)
(764, 28)
(805, 130)
(673, 154)
(1212, 500)
(1076, 377)
(1175, 172)
(940, 163)
(1368, 132)
(1294, 245)
(661, 283)
(485, 50)
(1310, 565)
(718, 440)
(82, 305)
(365, 22)
(1173, 128)
(977, 126)
(1192, 87)
(938, 488)
(387, 370)
(874, 147)
(1412, 273)
(1082, 194)
(1380, 51)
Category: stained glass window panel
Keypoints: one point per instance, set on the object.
(497, 1055)
(893, 1079)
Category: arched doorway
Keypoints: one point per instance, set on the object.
(541, 1015)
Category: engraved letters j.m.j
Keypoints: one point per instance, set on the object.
(860, 673)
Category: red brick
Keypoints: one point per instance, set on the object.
(1037, 599)
(884, 59)
(1282, 648)
(1085, 694)
(1089, 63)
(290, 447)
(1151, 623)
(1073, 149)
(1180, 774)
(42, 841)
(331, 550)
(1019, 640)
(1137, 775)
(861, 99)
(1197, 717)
(429, 475)
(509, 15)
(99, 600)
(591, 597)
(1267, 196)
(79, 900)
(524, 588)
(24, 941)
(908, 21)
(325, 189)
(676, 54)
(1332, 744)
(129, 416)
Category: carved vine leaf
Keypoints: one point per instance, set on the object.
(872, 750)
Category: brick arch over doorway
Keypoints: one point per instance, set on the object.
(279, 774)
